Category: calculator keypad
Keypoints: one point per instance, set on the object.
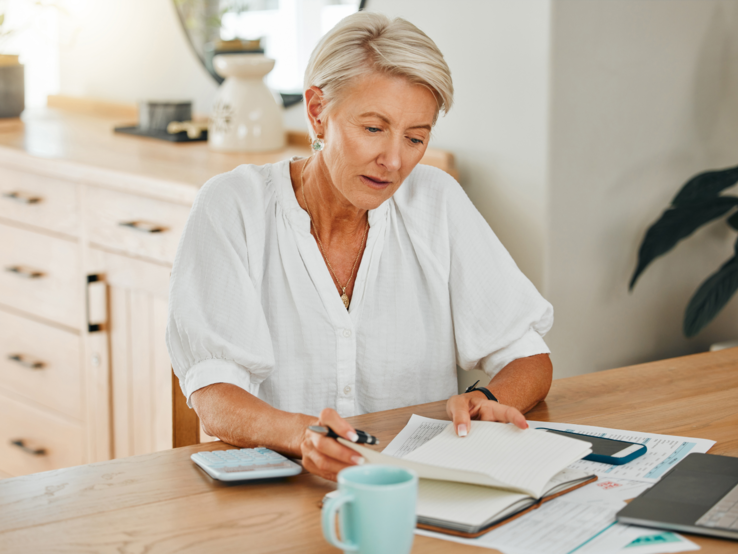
(245, 463)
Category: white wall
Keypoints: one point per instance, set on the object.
(644, 95)
(130, 50)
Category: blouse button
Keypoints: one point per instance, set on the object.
(347, 388)
(347, 333)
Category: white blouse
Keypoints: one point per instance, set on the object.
(252, 302)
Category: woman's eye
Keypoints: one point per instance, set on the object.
(416, 141)
(373, 129)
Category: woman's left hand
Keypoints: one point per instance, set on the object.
(462, 408)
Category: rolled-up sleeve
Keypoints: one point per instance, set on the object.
(498, 314)
(217, 331)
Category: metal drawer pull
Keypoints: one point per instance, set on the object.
(26, 361)
(94, 278)
(23, 271)
(27, 449)
(143, 226)
(23, 198)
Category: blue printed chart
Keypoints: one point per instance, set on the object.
(664, 451)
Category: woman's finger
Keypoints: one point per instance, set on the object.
(493, 411)
(331, 448)
(323, 466)
(457, 408)
(330, 418)
(314, 461)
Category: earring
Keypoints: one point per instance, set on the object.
(318, 144)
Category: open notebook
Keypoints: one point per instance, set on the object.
(469, 485)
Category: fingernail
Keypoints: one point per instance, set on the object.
(461, 430)
(353, 437)
(358, 460)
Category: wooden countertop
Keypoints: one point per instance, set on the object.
(163, 503)
(83, 148)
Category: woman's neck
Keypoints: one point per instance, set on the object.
(333, 217)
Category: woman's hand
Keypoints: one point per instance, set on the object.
(325, 456)
(462, 408)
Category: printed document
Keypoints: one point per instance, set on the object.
(664, 451)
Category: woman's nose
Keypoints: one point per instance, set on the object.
(391, 157)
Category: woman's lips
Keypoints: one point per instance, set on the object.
(374, 182)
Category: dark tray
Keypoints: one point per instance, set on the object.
(161, 135)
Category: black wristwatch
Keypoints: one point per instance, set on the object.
(484, 390)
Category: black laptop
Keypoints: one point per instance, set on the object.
(699, 495)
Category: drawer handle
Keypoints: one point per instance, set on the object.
(143, 226)
(26, 361)
(25, 272)
(93, 278)
(22, 197)
(27, 449)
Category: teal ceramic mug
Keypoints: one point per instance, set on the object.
(376, 507)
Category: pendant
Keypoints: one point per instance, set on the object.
(345, 299)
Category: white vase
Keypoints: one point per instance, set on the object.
(246, 115)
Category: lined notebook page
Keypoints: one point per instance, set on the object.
(524, 460)
(424, 471)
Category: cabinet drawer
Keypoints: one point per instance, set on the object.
(42, 363)
(48, 442)
(39, 275)
(135, 225)
(39, 201)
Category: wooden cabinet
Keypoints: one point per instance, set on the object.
(87, 242)
(33, 440)
(41, 363)
(90, 222)
(141, 376)
(42, 382)
(39, 201)
(39, 274)
(84, 373)
(134, 224)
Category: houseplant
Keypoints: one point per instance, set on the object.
(699, 202)
(12, 77)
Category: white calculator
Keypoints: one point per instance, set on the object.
(245, 463)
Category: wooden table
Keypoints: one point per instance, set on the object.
(163, 503)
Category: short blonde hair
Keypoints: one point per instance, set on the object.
(367, 42)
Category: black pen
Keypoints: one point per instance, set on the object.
(364, 438)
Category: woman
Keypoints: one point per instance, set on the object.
(355, 280)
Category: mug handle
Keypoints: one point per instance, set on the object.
(330, 508)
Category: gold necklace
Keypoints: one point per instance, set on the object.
(344, 296)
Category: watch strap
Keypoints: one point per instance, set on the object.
(484, 390)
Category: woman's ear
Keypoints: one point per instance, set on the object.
(314, 105)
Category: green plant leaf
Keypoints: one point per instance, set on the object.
(675, 224)
(733, 221)
(711, 297)
(706, 185)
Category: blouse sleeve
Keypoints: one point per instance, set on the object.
(217, 330)
(498, 314)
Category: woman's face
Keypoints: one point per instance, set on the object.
(375, 136)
